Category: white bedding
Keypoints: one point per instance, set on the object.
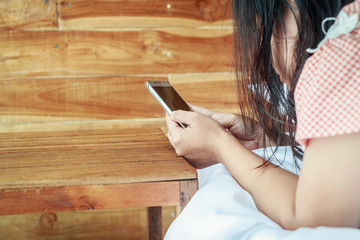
(221, 209)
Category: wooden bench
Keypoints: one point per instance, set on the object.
(96, 169)
(70, 65)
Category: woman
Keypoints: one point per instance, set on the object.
(271, 39)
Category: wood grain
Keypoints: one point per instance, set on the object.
(89, 53)
(154, 223)
(129, 224)
(115, 14)
(80, 125)
(28, 15)
(62, 67)
(215, 91)
(70, 99)
(187, 190)
(75, 198)
(78, 158)
(57, 100)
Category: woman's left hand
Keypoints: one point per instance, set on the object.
(200, 142)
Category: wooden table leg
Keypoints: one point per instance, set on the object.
(154, 223)
(187, 190)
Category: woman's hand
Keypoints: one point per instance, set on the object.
(246, 130)
(200, 142)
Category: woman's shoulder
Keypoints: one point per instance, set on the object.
(352, 8)
(327, 94)
(338, 54)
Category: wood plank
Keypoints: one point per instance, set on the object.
(77, 158)
(99, 53)
(12, 126)
(75, 198)
(213, 91)
(187, 190)
(130, 224)
(71, 99)
(154, 223)
(32, 104)
(28, 15)
(114, 14)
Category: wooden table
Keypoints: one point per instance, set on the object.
(96, 169)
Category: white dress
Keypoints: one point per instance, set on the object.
(222, 210)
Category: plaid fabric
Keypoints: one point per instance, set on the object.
(327, 95)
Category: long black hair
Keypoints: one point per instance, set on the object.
(261, 94)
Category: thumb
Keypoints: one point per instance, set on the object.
(182, 116)
(202, 110)
(226, 120)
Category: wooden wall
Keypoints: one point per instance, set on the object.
(82, 64)
(78, 64)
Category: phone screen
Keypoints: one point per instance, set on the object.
(168, 98)
(171, 98)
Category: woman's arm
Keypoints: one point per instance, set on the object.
(326, 193)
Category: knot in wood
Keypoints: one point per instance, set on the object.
(47, 220)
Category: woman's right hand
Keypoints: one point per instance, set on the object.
(246, 130)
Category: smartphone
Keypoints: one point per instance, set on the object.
(167, 96)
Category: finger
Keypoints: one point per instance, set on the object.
(181, 116)
(220, 117)
(170, 139)
(202, 110)
(226, 120)
(171, 124)
(190, 105)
